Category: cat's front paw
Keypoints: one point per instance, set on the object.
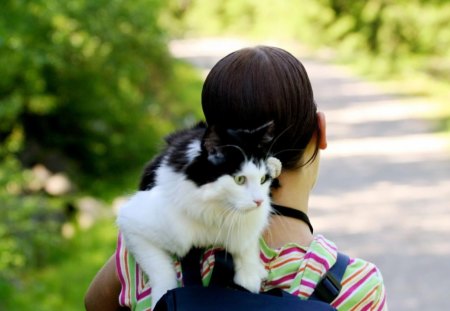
(159, 291)
(251, 279)
(249, 282)
(262, 272)
(274, 166)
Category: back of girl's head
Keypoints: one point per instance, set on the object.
(253, 86)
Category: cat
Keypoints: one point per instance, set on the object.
(208, 187)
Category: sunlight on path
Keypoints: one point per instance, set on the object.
(405, 146)
(207, 47)
(384, 187)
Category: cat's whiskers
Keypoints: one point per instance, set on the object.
(284, 150)
(287, 150)
(223, 216)
(283, 221)
(275, 140)
(239, 226)
(232, 224)
(239, 148)
(267, 231)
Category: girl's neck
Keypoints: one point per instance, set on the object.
(293, 193)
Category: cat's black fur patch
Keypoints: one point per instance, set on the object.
(148, 178)
(222, 152)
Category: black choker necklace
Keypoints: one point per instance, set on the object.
(293, 213)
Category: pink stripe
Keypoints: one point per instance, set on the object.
(119, 271)
(144, 294)
(291, 250)
(318, 259)
(296, 293)
(264, 258)
(208, 254)
(284, 252)
(139, 285)
(307, 283)
(352, 289)
(283, 279)
(382, 303)
(367, 307)
(326, 244)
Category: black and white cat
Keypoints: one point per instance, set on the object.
(209, 187)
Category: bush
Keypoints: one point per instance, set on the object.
(30, 230)
(87, 89)
(83, 85)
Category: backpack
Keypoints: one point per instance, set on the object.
(223, 294)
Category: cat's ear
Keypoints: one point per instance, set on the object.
(211, 144)
(263, 134)
(268, 131)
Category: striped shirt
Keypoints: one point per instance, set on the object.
(292, 268)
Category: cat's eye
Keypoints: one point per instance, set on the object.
(264, 179)
(240, 179)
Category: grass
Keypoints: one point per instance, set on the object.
(62, 284)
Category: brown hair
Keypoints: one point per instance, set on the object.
(253, 86)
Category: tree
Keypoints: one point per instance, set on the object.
(87, 89)
(82, 84)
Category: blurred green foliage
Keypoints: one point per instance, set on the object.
(87, 89)
(29, 228)
(81, 81)
(387, 37)
(62, 284)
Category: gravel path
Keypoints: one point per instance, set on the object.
(384, 187)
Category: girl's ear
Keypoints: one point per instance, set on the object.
(322, 124)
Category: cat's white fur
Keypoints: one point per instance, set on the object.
(176, 215)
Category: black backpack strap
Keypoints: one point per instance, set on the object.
(326, 290)
(190, 267)
(222, 274)
(220, 298)
(223, 271)
(329, 286)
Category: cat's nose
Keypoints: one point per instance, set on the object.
(258, 202)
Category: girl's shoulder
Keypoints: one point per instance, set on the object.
(293, 268)
(298, 270)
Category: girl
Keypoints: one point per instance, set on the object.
(247, 88)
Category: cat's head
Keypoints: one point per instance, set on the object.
(237, 164)
(222, 144)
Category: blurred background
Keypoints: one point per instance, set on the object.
(88, 89)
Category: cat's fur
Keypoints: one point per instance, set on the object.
(210, 186)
